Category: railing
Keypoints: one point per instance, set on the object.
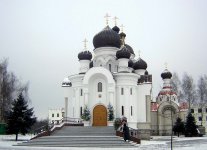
(65, 120)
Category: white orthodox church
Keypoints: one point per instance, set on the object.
(112, 76)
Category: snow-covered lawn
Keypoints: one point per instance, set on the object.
(157, 143)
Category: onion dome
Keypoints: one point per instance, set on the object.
(122, 34)
(130, 63)
(66, 83)
(107, 38)
(146, 73)
(123, 53)
(116, 29)
(85, 55)
(129, 48)
(140, 64)
(91, 64)
(166, 74)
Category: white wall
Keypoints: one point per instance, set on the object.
(142, 91)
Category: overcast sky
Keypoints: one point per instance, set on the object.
(42, 39)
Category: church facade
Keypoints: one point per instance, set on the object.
(111, 77)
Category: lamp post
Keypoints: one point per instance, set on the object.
(171, 117)
(171, 121)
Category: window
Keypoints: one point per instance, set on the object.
(199, 110)
(206, 109)
(199, 118)
(109, 67)
(57, 114)
(52, 115)
(192, 110)
(131, 110)
(81, 92)
(122, 110)
(131, 91)
(122, 91)
(99, 87)
(81, 111)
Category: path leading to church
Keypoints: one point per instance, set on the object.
(80, 137)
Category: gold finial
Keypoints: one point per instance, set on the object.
(122, 28)
(107, 19)
(165, 65)
(115, 20)
(139, 52)
(85, 41)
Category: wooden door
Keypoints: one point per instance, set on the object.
(99, 116)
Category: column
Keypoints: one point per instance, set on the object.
(66, 107)
(148, 109)
(86, 99)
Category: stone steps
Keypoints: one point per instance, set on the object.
(80, 137)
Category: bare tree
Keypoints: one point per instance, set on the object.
(10, 87)
(202, 93)
(176, 85)
(188, 89)
(7, 88)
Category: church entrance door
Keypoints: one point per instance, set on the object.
(99, 116)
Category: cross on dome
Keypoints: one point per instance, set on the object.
(139, 52)
(85, 46)
(107, 18)
(115, 20)
(165, 65)
(122, 28)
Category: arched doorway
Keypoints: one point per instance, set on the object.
(99, 116)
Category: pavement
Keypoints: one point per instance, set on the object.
(156, 143)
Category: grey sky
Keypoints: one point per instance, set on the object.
(42, 39)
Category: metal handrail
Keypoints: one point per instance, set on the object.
(48, 127)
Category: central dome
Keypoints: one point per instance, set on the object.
(166, 74)
(107, 38)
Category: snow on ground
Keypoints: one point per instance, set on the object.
(156, 143)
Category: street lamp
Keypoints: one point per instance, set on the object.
(171, 117)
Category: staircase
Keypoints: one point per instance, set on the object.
(77, 136)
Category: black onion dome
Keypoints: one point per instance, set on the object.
(166, 74)
(146, 72)
(107, 38)
(130, 63)
(91, 64)
(85, 55)
(129, 48)
(122, 34)
(140, 64)
(116, 29)
(123, 53)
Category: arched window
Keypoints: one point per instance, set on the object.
(131, 91)
(81, 92)
(81, 111)
(109, 67)
(122, 91)
(122, 110)
(99, 87)
(131, 111)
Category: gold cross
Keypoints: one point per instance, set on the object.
(115, 20)
(85, 41)
(107, 18)
(122, 28)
